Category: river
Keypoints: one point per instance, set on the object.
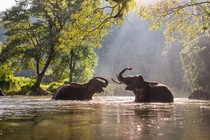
(103, 118)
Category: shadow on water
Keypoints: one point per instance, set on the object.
(103, 118)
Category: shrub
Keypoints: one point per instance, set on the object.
(16, 85)
(52, 87)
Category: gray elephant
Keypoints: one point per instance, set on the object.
(145, 91)
(76, 91)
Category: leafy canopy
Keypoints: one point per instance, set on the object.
(77, 64)
(40, 30)
(180, 19)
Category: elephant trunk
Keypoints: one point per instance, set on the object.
(105, 84)
(120, 77)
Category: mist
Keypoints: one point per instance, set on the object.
(134, 45)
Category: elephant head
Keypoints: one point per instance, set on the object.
(76, 91)
(131, 82)
(96, 84)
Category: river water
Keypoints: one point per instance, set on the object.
(103, 118)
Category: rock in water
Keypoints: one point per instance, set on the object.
(200, 95)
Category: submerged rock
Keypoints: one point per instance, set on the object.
(200, 95)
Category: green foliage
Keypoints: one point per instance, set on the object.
(184, 22)
(123, 7)
(195, 60)
(6, 69)
(52, 87)
(16, 85)
(78, 64)
(180, 19)
(40, 30)
(25, 48)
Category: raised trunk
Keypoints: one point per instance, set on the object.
(120, 77)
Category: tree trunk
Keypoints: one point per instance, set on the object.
(70, 75)
(71, 64)
(52, 40)
(42, 73)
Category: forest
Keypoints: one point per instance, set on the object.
(46, 43)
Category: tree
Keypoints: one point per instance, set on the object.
(185, 23)
(78, 64)
(32, 35)
(180, 19)
(5, 69)
(195, 59)
(38, 30)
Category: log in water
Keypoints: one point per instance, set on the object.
(102, 118)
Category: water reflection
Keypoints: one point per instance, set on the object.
(103, 118)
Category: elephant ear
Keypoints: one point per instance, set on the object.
(135, 82)
(91, 84)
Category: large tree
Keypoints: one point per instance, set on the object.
(38, 30)
(188, 23)
(179, 19)
(77, 64)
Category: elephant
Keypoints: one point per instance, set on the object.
(1, 92)
(145, 91)
(76, 91)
